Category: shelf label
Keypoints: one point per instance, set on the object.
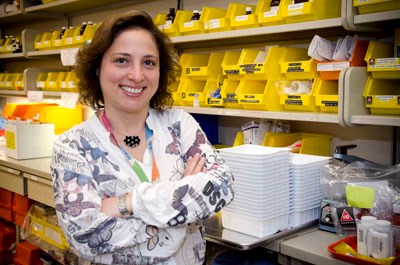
(35, 96)
(272, 13)
(68, 100)
(68, 56)
(242, 18)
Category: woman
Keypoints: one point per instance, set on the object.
(133, 183)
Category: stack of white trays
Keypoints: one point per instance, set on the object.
(261, 204)
(305, 187)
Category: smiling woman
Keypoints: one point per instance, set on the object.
(143, 176)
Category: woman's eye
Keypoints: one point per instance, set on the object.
(120, 60)
(150, 63)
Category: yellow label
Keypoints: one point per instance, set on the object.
(10, 136)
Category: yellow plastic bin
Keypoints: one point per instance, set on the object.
(241, 20)
(7, 81)
(19, 82)
(159, 20)
(70, 82)
(69, 35)
(203, 65)
(201, 25)
(45, 41)
(230, 65)
(62, 118)
(269, 16)
(53, 81)
(296, 64)
(229, 93)
(252, 94)
(224, 23)
(213, 93)
(299, 101)
(2, 75)
(327, 95)
(37, 41)
(191, 89)
(79, 40)
(331, 70)
(382, 96)
(48, 232)
(41, 80)
(380, 60)
(310, 10)
(265, 65)
(312, 144)
(374, 6)
(272, 96)
(173, 29)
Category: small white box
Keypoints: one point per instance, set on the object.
(25, 141)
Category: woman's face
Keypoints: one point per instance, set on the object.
(130, 71)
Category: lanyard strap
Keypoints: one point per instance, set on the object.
(134, 164)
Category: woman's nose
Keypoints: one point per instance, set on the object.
(136, 73)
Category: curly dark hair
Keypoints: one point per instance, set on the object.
(90, 56)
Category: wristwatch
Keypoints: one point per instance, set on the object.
(122, 206)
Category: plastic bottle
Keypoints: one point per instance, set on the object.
(248, 10)
(396, 225)
(171, 15)
(196, 102)
(275, 3)
(196, 15)
(382, 239)
(364, 234)
(62, 32)
(17, 46)
(83, 27)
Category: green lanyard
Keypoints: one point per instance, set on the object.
(134, 164)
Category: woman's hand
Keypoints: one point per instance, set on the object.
(195, 164)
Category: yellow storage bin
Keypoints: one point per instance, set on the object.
(62, 118)
(202, 66)
(230, 65)
(239, 139)
(327, 95)
(176, 95)
(70, 83)
(201, 25)
(53, 81)
(69, 35)
(311, 10)
(241, 20)
(160, 20)
(251, 94)
(48, 232)
(296, 64)
(79, 40)
(312, 144)
(373, 6)
(299, 102)
(2, 75)
(173, 29)
(8, 110)
(19, 82)
(229, 93)
(380, 60)
(37, 42)
(224, 23)
(190, 89)
(382, 96)
(269, 16)
(213, 93)
(272, 96)
(265, 65)
(7, 81)
(41, 80)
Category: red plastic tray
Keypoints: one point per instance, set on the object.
(352, 242)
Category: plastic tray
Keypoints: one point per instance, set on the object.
(352, 242)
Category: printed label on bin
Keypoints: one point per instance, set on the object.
(327, 103)
(272, 13)
(336, 66)
(214, 23)
(232, 72)
(385, 98)
(249, 101)
(293, 102)
(188, 24)
(242, 18)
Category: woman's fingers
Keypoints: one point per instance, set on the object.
(194, 165)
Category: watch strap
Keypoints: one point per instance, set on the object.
(123, 209)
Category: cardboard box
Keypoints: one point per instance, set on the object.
(26, 141)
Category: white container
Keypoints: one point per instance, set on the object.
(364, 234)
(26, 141)
(382, 239)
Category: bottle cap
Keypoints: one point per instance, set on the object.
(368, 220)
(195, 11)
(248, 8)
(382, 225)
